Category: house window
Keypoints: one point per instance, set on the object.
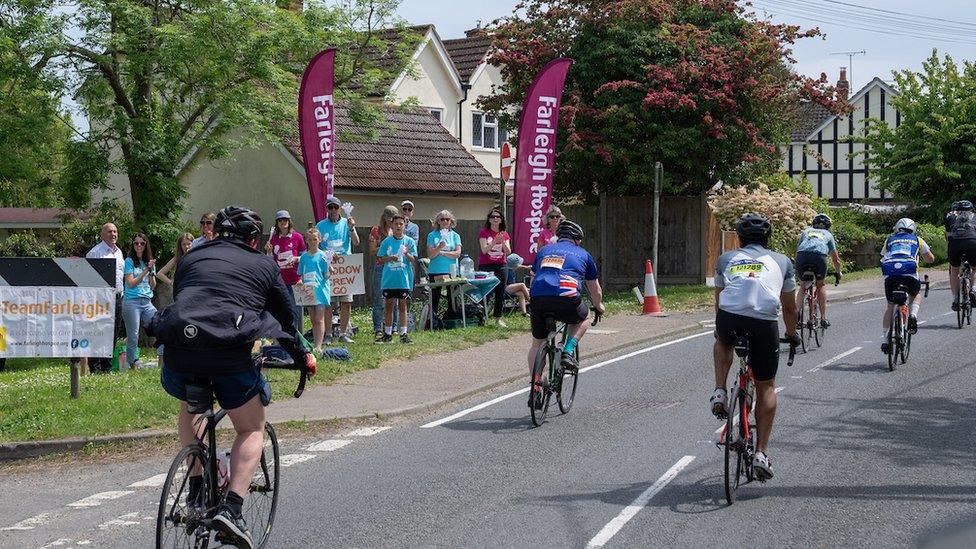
(485, 131)
(438, 114)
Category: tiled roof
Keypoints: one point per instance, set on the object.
(810, 116)
(468, 53)
(35, 216)
(413, 153)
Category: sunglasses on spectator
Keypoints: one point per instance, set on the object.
(407, 209)
(443, 218)
(206, 222)
(494, 217)
(332, 207)
(138, 243)
(555, 217)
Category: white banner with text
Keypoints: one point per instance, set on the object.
(55, 321)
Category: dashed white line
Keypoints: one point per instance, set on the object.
(868, 300)
(288, 460)
(95, 500)
(330, 445)
(128, 519)
(830, 361)
(368, 431)
(778, 389)
(31, 522)
(503, 398)
(58, 543)
(796, 377)
(642, 500)
(151, 482)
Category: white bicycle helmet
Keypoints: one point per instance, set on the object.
(905, 225)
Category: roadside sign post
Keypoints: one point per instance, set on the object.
(658, 173)
(506, 171)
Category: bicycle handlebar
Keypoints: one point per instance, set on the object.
(836, 279)
(793, 346)
(597, 316)
(263, 362)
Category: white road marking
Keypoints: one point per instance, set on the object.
(778, 389)
(642, 500)
(920, 322)
(85, 542)
(97, 499)
(31, 523)
(503, 398)
(834, 359)
(602, 332)
(330, 445)
(58, 543)
(949, 313)
(151, 482)
(128, 519)
(288, 460)
(868, 300)
(368, 431)
(796, 377)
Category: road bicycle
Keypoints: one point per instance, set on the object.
(899, 342)
(186, 520)
(964, 309)
(549, 377)
(738, 436)
(809, 322)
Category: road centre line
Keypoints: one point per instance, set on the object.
(95, 500)
(868, 300)
(151, 482)
(31, 522)
(330, 445)
(288, 460)
(830, 361)
(522, 391)
(368, 431)
(642, 500)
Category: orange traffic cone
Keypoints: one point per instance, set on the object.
(651, 303)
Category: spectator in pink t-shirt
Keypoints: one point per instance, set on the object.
(286, 246)
(495, 247)
(548, 234)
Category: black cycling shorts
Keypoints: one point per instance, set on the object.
(814, 260)
(912, 284)
(564, 309)
(399, 293)
(763, 340)
(960, 248)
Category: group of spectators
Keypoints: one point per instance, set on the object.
(393, 244)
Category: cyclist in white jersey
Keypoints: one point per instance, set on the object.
(752, 283)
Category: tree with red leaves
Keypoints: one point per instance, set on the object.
(701, 85)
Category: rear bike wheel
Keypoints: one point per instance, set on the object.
(180, 522)
(802, 326)
(734, 448)
(907, 347)
(816, 324)
(567, 386)
(960, 308)
(892, 341)
(261, 504)
(540, 390)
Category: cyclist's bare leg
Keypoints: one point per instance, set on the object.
(533, 352)
(190, 431)
(886, 318)
(248, 421)
(954, 281)
(722, 355)
(822, 298)
(801, 295)
(765, 412)
(577, 330)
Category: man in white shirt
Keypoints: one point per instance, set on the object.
(107, 249)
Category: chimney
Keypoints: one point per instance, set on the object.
(843, 86)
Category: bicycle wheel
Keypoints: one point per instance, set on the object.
(960, 308)
(906, 348)
(892, 341)
(179, 522)
(801, 325)
(734, 446)
(262, 500)
(816, 326)
(540, 389)
(567, 387)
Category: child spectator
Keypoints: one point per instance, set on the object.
(314, 266)
(394, 253)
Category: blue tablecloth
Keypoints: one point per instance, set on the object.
(478, 288)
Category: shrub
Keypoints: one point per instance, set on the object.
(934, 236)
(789, 211)
(25, 244)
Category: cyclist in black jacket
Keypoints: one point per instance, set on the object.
(227, 295)
(960, 226)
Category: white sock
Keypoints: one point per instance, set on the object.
(915, 307)
(388, 330)
(403, 330)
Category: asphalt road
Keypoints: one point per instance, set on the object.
(862, 456)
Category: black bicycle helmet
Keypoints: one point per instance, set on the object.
(753, 227)
(822, 221)
(240, 222)
(962, 206)
(570, 230)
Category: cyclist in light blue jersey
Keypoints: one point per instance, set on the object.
(899, 265)
(816, 243)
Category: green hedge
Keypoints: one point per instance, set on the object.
(934, 236)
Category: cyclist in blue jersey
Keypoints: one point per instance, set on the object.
(561, 270)
(899, 265)
(816, 243)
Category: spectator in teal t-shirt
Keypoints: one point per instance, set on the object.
(139, 276)
(313, 268)
(338, 236)
(443, 249)
(397, 253)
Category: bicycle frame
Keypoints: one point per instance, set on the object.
(745, 379)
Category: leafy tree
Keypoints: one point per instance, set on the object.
(931, 156)
(700, 85)
(164, 82)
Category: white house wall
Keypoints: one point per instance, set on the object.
(841, 177)
(484, 78)
(433, 86)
